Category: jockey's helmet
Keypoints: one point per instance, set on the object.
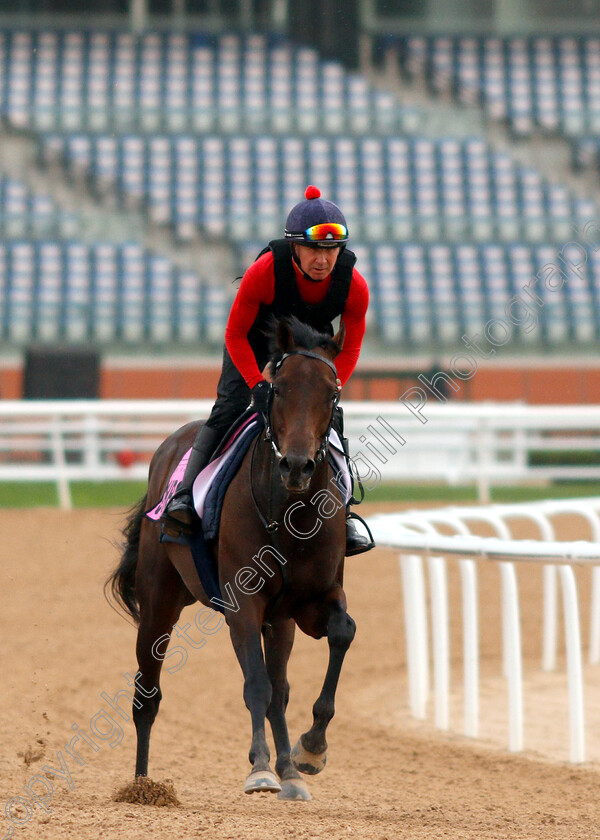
(316, 222)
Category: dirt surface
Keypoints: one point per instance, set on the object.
(387, 776)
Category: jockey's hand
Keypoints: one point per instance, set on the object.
(260, 396)
(266, 372)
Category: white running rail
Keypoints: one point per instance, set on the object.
(72, 440)
(416, 533)
(459, 443)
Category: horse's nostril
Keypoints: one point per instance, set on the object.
(308, 468)
(296, 469)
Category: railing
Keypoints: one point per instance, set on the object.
(95, 440)
(416, 534)
(459, 443)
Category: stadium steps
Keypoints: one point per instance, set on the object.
(103, 219)
(442, 117)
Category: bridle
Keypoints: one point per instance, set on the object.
(322, 450)
(268, 522)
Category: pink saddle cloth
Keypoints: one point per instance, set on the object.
(205, 479)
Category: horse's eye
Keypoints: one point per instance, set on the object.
(275, 390)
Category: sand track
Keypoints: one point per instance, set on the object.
(387, 776)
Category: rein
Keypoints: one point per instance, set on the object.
(271, 525)
(322, 450)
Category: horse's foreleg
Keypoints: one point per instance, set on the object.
(257, 697)
(310, 753)
(278, 645)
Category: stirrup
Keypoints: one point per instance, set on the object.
(366, 544)
(175, 526)
(174, 533)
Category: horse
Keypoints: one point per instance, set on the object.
(283, 503)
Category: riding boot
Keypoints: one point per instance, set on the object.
(180, 512)
(356, 543)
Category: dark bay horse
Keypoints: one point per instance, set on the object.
(280, 551)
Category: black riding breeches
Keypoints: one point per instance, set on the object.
(233, 397)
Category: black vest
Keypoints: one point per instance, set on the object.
(287, 300)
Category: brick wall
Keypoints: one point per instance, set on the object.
(535, 383)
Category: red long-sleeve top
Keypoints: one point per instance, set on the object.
(258, 286)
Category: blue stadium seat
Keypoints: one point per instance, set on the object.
(135, 293)
(77, 303)
(470, 288)
(215, 308)
(49, 292)
(100, 81)
(546, 82)
(188, 309)
(106, 296)
(417, 297)
(221, 134)
(160, 301)
(21, 292)
(242, 186)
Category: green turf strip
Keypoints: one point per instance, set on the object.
(15, 494)
(408, 493)
(84, 494)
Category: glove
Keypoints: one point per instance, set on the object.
(260, 396)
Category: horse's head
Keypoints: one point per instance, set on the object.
(305, 392)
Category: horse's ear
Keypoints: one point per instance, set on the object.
(285, 338)
(339, 337)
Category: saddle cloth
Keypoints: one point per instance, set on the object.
(209, 491)
(205, 479)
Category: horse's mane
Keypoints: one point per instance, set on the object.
(304, 336)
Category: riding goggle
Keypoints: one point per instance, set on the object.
(327, 233)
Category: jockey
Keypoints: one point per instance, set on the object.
(309, 273)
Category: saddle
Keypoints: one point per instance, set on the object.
(209, 491)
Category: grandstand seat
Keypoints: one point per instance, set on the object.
(221, 134)
(135, 295)
(21, 292)
(242, 186)
(160, 300)
(417, 297)
(77, 293)
(188, 310)
(162, 163)
(49, 297)
(215, 307)
(74, 81)
(202, 87)
(99, 82)
(467, 269)
(105, 293)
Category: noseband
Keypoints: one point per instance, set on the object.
(322, 450)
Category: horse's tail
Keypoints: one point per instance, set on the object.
(121, 583)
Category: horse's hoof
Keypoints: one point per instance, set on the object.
(294, 789)
(307, 762)
(264, 781)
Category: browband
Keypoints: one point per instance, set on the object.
(310, 355)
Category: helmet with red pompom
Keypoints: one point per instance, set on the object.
(316, 222)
